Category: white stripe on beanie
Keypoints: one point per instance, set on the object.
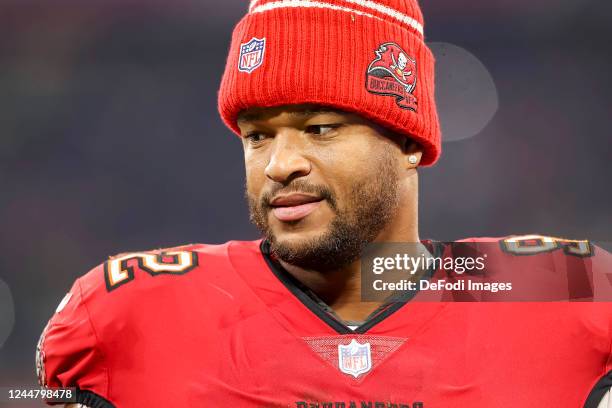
(380, 8)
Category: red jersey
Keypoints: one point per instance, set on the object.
(226, 326)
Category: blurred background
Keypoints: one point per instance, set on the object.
(110, 139)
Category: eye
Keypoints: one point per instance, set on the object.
(255, 137)
(321, 129)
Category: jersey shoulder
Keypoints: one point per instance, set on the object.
(157, 268)
(535, 245)
(124, 294)
(543, 267)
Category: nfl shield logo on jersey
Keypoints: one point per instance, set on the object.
(354, 358)
(251, 55)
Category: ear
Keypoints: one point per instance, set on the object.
(412, 154)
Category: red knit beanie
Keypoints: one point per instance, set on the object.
(361, 56)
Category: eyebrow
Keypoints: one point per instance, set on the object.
(302, 113)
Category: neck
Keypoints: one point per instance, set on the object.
(341, 288)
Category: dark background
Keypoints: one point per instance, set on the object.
(110, 140)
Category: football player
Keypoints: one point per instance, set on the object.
(334, 102)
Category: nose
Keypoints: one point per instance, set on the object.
(287, 159)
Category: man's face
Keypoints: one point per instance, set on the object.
(321, 184)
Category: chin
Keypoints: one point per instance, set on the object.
(298, 238)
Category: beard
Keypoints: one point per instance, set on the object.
(358, 220)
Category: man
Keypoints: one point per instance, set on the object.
(332, 135)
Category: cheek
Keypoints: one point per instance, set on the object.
(358, 170)
(342, 174)
(255, 167)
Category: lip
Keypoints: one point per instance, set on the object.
(294, 207)
(293, 200)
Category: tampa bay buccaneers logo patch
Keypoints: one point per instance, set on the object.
(393, 73)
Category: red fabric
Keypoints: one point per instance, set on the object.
(229, 333)
(322, 56)
(69, 351)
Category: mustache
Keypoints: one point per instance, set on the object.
(298, 186)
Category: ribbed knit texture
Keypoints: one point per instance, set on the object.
(321, 56)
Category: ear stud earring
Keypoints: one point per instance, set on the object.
(412, 159)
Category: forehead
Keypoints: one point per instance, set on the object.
(294, 111)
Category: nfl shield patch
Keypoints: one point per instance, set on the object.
(251, 55)
(354, 358)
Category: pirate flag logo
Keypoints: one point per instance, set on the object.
(393, 73)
